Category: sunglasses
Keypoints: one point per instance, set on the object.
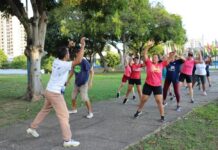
(190, 55)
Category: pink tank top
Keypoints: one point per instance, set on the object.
(187, 67)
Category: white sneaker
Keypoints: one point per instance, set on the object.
(205, 93)
(90, 115)
(32, 132)
(71, 143)
(72, 111)
(165, 104)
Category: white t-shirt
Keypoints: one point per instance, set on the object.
(60, 70)
(200, 69)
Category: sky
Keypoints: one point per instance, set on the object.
(200, 17)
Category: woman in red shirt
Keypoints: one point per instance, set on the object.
(153, 82)
(126, 75)
(135, 78)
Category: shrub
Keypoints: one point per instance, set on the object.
(19, 62)
(47, 64)
(112, 59)
(3, 58)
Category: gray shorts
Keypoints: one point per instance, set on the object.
(83, 90)
(201, 78)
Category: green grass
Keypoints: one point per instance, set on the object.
(198, 131)
(13, 87)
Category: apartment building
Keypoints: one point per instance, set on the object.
(12, 36)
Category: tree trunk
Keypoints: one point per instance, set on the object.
(106, 69)
(34, 87)
(35, 52)
(120, 54)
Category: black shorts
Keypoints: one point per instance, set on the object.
(186, 77)
(135, 81)
(208, 73)
(148, 89)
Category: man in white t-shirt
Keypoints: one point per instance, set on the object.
(54, 97)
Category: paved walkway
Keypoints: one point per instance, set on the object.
(112, 128)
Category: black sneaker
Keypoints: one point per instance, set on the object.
(192, 101)
(162, 119)
(133, 97)
(125, 100)
(137, 114)
(118, 95)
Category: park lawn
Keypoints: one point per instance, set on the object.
(197, 131)
(14, 109)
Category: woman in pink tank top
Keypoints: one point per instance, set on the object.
(186, 71)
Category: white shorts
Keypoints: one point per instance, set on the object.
(83, 90)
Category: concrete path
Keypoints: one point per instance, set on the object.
(112, 128)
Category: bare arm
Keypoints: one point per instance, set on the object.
(149, 44)
(80, 54)
(200, 58)
(69, 77)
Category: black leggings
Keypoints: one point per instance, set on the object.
(175, 87)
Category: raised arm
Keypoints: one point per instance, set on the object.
(200, 60)
(80, 54)
(149, 44)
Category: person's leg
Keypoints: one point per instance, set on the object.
(165, 90)
(59, 104)
(43, 112)
(176, 88)
(119, 89)
(208, 80)
(190, 92)
(143, 100)
(194, 79)
(133, 93)
(85, 97)
(74, 96)
(74, 104)
(159, 99)
(203, 81)
(130, 86)
(139, 90)
(146, 94)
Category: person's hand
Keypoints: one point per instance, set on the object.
(174, 47)
(67, 83)
(150, 43)
(82, 41)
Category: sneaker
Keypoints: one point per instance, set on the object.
(171, 98)
(204, 93)
(90, 115)
(162, 119)
(71, 143)
(133, 97)
(118, 95)
(210, 85)
(164, 104)
(137, 114)
(72, 111)
(32, 132)
(125, 100)
(178, 109)
(192, 101)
